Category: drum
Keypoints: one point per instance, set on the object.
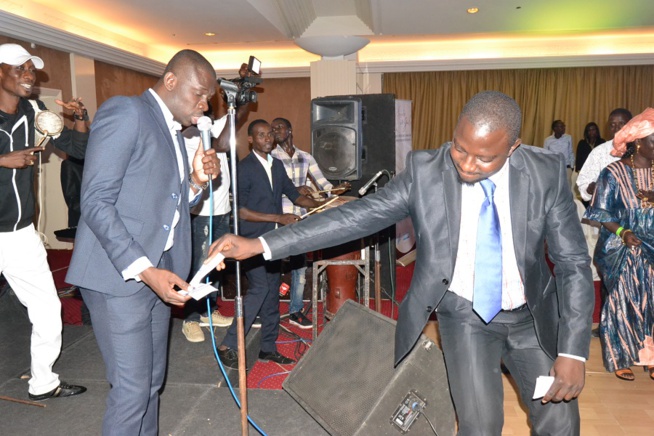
(341, 279)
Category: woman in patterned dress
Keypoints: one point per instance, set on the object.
(624, 204)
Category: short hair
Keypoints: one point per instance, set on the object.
(283, 120)
(254, 123)
(621, 111)
(185, 58)
(497, 110)
(555, 122)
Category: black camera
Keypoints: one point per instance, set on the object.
(239, 91)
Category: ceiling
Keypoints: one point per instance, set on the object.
(403, 34)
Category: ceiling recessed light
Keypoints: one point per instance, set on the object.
(472, 10)
(209, 34)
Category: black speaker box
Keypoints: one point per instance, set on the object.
(376, 139)
(336, 137)
(347, 382)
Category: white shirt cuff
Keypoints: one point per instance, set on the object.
(192, 195)
(266, 250)
(136, 268)
(572, 356)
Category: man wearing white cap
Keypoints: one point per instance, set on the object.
(22, 254)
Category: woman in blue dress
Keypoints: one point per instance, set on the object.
(624, 204)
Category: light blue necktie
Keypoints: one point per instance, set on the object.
(487, 297)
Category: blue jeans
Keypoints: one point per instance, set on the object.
(298, 266)
(200, 249)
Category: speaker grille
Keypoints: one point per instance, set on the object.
(341, 402)
(336, 137)
(348, 384)
(335, 148)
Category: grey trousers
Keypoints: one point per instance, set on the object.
(473, 352)
(132, 334)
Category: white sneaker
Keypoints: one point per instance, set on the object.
(193, 331)
(217, 319)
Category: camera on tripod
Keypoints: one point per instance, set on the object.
(239, 91)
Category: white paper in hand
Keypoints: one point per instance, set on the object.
(205, 269)
(543, 384)
(199, 290)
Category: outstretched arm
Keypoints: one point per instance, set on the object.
(235, 247)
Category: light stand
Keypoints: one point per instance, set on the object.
(238, 303)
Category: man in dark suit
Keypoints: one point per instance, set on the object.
(541, 324)
(133, 242)
(262, 180)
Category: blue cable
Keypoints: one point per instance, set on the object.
(213, 339)
(272, 375)
(222, 370)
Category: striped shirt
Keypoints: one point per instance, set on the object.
(298, 167)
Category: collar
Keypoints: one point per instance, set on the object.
(282, 150)
(168, 115)
(266, 161)
(502, 176)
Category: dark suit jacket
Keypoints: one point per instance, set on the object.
(255, 193)
(130, 191)
(429, 192)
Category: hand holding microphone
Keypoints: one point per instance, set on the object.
(206, 165)
(204, 126)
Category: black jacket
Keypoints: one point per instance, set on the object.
(17, 203)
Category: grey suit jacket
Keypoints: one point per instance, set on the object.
(429, 192)
(130, 191)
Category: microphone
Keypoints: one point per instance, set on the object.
(367, 186)
(204, 126)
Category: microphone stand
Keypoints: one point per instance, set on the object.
(238, 303)
(378, 260)
(377, 270)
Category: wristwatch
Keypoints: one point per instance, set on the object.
(195, 185)
(84, 117)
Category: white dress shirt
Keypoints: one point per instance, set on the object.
(472, 197)
(563, 146)
(143, 263)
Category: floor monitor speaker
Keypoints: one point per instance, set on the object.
(347, 382)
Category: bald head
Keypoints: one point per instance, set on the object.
(185, 59)
(187, 85)
(496, 111)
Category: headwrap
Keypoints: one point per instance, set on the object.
(640, 126)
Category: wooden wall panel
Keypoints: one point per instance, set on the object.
(111, 80)
(286, 98)
(55, 73)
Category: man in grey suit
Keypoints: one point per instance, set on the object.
(540, 325)
(133, 242)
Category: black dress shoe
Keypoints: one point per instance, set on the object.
(275, 357)
(67, 233)
(63, 390)
(229, 358)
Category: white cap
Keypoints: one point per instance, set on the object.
(14, 54)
